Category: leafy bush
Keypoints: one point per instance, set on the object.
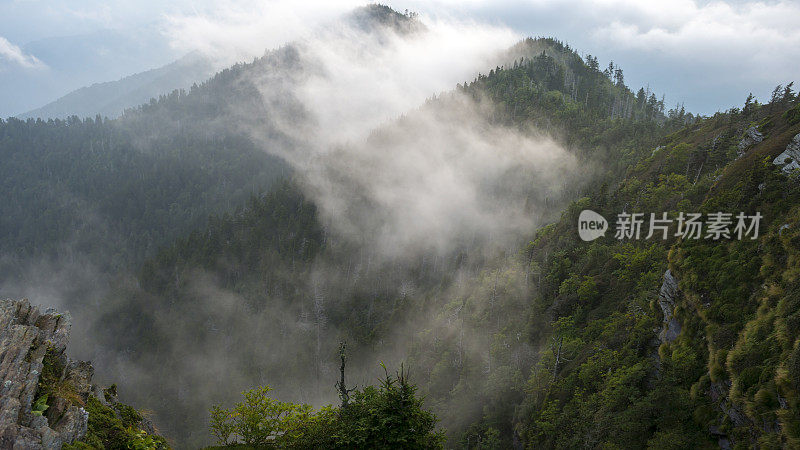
(388, 416)
(257, 420)
(111, 427)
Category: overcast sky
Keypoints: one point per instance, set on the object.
(708, 55)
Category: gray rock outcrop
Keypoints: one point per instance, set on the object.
(751, 136)
(790, 158)
(667, 299)
(31, 343)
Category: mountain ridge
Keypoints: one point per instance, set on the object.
(237, 258)
(111, 98)
(541, 340)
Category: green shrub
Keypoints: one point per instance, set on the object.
(115, 427)
(793, 115)
(388, 416)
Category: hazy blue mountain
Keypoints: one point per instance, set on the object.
(70, 62)
(113, 97)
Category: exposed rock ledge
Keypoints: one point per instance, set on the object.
(751, 136)
(28, 339)
(667, 299)
(790, 158)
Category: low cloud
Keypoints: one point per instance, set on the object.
(232, 31)
(366, 79)
(392, 171)
(441, 178)
(11, 54)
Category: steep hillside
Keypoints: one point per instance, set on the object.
(276, 272)
(113, 191)
(680, 342)
(445, 239)
(77, 187)
(566, 343)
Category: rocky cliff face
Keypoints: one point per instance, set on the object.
(43, 391)
(667, 299)
(751, 136)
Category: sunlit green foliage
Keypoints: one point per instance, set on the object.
(115, 426)
(384, 417)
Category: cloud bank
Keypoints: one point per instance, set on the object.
(759, 39)
(233, 31)
(400, 177)
(708, 54)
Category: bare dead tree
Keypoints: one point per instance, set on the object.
(344, 393)
(559, 358)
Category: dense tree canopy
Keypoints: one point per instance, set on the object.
(553, 344)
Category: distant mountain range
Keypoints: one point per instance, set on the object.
(110, 99)
(70, 62)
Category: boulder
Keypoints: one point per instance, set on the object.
(789, 160)
(751, 136)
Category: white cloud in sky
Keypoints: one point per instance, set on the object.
(12, 54)
(759, 40)
(231, 30)
(706, 54)
(709, 54)
(387, 80)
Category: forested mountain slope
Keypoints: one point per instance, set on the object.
(85, 187)
(567, 343)
(116, 190)
(517, 332)
(630, 354)
(277, 273)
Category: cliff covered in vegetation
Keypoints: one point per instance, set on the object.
(48, 400)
